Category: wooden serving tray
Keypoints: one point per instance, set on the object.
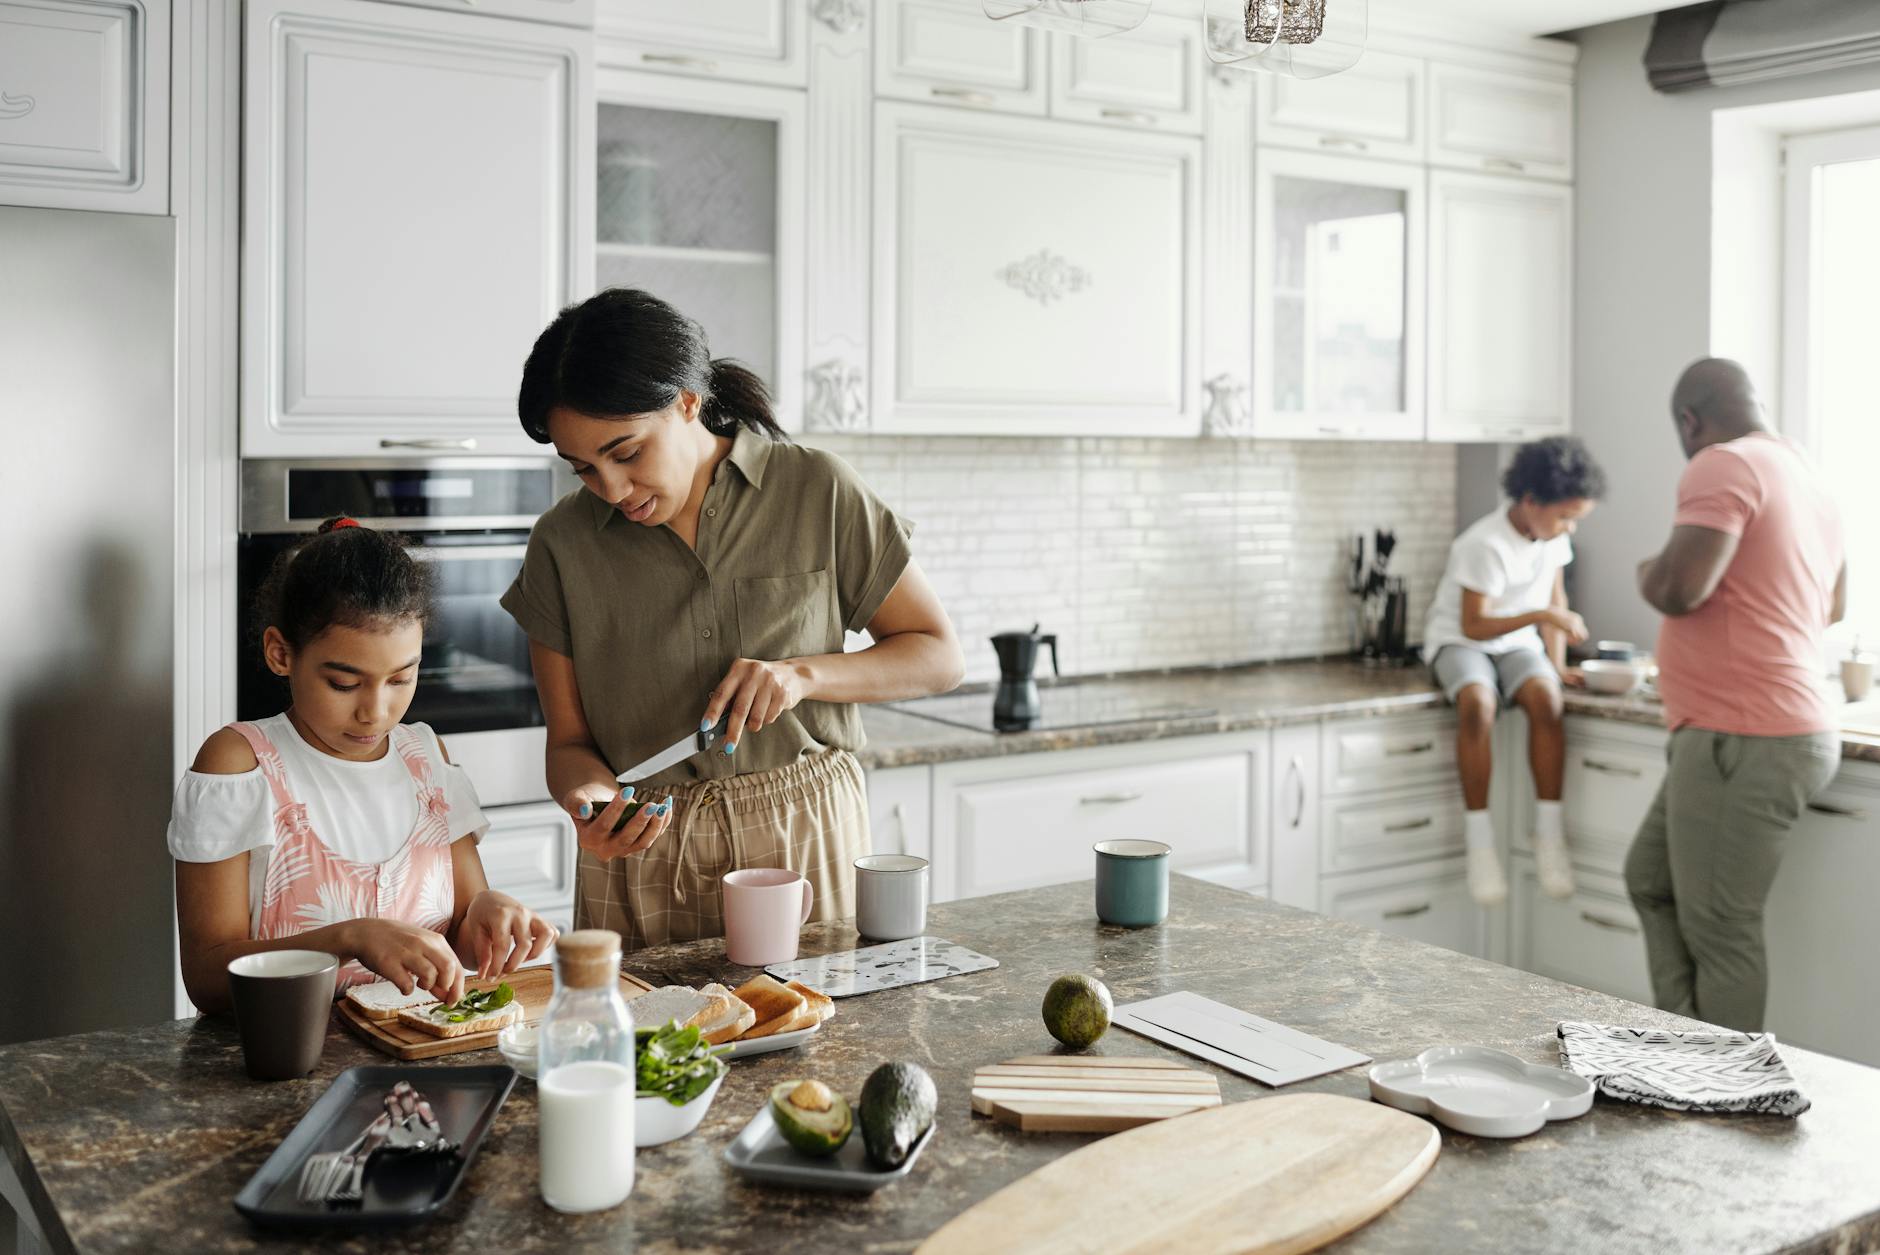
(1088, 1093)
(534, 987)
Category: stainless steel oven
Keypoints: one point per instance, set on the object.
(470, 518)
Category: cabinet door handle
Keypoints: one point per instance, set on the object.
(1408, 912)
(1298, 770)
(964, 95)
(898, 813)
(1612, 769)
(432, 443)
(1504, 163)
(1839, 812)
(1345, 142)
(1415, 825)
(1109, 799)
(680, 59)
(1608, 923)
(1129, 115)
(1405, 751)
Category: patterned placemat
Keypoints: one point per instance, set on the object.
(1691, 1071)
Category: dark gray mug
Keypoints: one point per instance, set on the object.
(1132, 882)
(282, 1001)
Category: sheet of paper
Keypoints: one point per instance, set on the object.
(888, 966)
(1237, 1040)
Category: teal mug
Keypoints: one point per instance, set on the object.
(1132, 882)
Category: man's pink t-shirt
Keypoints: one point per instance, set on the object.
(1748, 661)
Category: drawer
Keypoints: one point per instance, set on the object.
(1427, 902)
(1375, 833)
(1148, 78)
(1364, 754)
(1591, 939)
(758, 41)
(1611, 782)
(1500, 123)
(1374, 109)
(948, 52)
(529, 854)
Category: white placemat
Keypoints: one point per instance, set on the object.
(887, 966)
(1237, 1040)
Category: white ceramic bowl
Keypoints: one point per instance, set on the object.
(517, 1044)
(1611, 677)
(656, 1121)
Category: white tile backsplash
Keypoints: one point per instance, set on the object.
(1158, 553)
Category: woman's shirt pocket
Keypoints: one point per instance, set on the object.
(787, 616)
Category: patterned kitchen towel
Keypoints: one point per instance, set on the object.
(1695, 1071)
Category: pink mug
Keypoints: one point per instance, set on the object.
(765, 910)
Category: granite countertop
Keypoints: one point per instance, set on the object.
(1260, 695)
(138, 1140)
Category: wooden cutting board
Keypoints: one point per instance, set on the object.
(1084, 1094)
(1274, 1176)
(534, 987)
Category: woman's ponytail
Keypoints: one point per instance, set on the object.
(738, 398)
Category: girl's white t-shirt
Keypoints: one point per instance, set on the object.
(361, 811)
(1515, 576)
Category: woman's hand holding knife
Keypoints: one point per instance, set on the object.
(754, 695)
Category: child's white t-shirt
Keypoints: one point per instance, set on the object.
(361, 811)
(1514, 574)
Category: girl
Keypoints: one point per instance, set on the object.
(708, 568)
(331, 826)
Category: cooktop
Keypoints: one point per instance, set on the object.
(1065, 706)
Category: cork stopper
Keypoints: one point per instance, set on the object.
(588, 958)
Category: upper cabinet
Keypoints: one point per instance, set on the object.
(758, 41)
(417, 204)
(1374, 109)
(563, 12)
(1501, 305)
(1500, 123)
(699, 197)
(1148, 78)
(1032, 277)
(1338, 298)
(949, 52)
(85, 104)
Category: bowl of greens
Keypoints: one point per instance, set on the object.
(679, 1075)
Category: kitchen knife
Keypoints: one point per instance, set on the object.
(677, 752)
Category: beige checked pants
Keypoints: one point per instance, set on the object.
(810, 817)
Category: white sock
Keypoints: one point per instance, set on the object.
(1478, 831)
(1547, 822)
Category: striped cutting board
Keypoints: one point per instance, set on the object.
(1089, 1094)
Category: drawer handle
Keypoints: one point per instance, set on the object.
(1345, 142)
(1609, 924)
(964, 95)
(1612, 769)
(1109, 799)
(1407, 912)
(679, 58)
(1504, 163)
(1405, 751)
(1839, 812)
(1130, 115)
(1298, 770)
(433, 443)
(1415, 825)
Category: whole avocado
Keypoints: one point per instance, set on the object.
(896, 1110)
(1077, 1010)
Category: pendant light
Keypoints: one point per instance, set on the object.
(1088, 19)
(1292, 38)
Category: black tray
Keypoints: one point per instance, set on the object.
(398, 1190)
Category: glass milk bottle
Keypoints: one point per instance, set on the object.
(586, 1078)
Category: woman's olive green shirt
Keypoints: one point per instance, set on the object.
(793, 551)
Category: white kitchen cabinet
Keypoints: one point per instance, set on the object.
(1033, 278)
(900, 811)
(417, 205)
(1613, 773)
(1388, 752)
(85, 104)
(529, 854)
(700, 197)
(561, 12)
(1500, 123)
(1427, 902)
(1150, 77)
(1020, 821)
(758, 41)
(1591, 939)
(1500, 307)
(1402, 827)
(1294, 816)
(1373, 109)
(949, 52)
(1337, 297)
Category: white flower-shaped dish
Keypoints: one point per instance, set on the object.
(1481, 1092)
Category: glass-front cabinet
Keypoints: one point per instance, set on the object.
(1338, 298)
(698, 199)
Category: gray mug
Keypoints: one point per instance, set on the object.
(282, 1001)
(890, 896)
(1132, 882)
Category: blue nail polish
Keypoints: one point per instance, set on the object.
(587, 809)
(731, 748)
(627, 793)
(705, 725)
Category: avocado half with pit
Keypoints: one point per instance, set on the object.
(811, 1116)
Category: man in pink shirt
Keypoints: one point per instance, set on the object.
(1753, 573)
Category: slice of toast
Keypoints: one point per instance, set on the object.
(824, 1004)
(677, 1004)
(775, 1004)
(426, 1018)
(735, 1017)
(380, 1001)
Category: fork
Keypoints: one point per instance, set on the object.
(406, 1124)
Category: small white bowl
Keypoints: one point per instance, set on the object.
(1616, 679)
(517, 1045)
(656, 1121)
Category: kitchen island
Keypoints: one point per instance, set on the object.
(138, 1140)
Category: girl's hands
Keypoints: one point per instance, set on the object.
(408, 956)
(502, 933)
(595, 809)
(755, 694)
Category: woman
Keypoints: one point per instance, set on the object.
(710, 569)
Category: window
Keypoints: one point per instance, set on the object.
(1831, 338)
